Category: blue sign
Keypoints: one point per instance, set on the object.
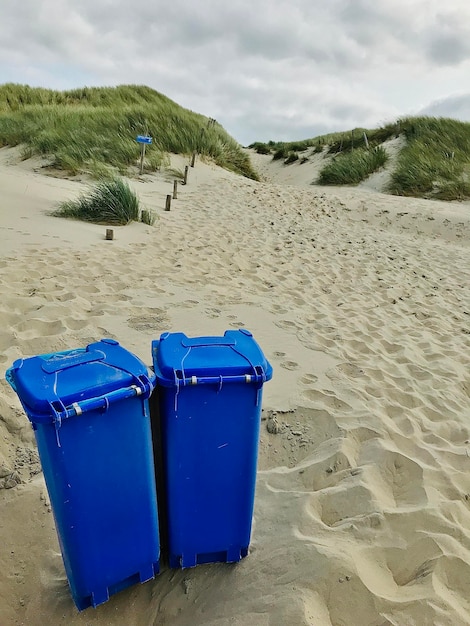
(143, 139)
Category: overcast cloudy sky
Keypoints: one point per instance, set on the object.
(265, 69)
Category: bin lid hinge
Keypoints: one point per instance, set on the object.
(138, 390)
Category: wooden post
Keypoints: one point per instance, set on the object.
(185, 180)
(201, 136)
(193, 159)
(175, 189)
(142, 154)
(352, 141)
(366, 141)
(109, 234)
(168, 202)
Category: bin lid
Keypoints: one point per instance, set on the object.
(74, 375)
(178, 357)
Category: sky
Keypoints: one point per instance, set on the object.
(264, 69)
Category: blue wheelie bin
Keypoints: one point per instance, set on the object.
(89, 411)
(209, 407)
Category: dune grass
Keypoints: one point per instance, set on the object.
(356, 138)
(435, 162)
(350, 168)
(291, 158)
(94, 129)
(110, 202)
(281, 149)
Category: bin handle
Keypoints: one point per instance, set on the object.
(257, 379)
(231, 345)
(100, 403)
(203, 342)
(220, 380)
(191, 381)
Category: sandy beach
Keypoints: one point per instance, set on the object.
(361, 303)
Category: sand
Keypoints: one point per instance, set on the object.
(361, 303)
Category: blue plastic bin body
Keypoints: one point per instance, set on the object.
(210, 391)
(89, 410)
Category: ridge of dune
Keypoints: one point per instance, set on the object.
(361, 303)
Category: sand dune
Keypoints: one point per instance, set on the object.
(361, 303)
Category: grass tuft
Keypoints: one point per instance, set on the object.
(291, 158)
(350, 168)
(148, 217)
(280, 153)
(435, 161)
(110, 202)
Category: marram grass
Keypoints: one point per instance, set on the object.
(434, 162)
(350, 168)
(94, 129)
(110, 202)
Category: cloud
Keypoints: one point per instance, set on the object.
(258, 67)
(448, 49)
(456, 107)
(449, 42)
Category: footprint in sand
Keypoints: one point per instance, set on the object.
(276, 308)
(148, 322)
(290, 365)
(348, 369)
(90, 289)
(326, 400)
(308, 379)
(42, 328)
(67, 296)
(418, 372)
(287, 324)
(75, 324)
(414, 562)
(404, 477)
(340, 506)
